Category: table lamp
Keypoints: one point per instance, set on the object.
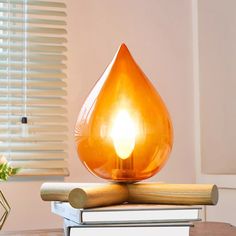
(123, 132)
(124, 135)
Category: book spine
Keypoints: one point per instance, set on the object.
(66, 212)
(170, 229)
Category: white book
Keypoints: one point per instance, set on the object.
(128, 230)
(127, 213)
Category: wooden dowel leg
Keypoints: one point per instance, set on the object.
(188, 194)
(109, 194)
(61, 191)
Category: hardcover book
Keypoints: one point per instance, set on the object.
(127, 213)
(164, 229)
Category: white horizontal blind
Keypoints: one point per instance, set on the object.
(33, 85)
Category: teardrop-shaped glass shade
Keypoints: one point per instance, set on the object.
(123, 132)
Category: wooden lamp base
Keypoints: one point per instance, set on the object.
(96, 195)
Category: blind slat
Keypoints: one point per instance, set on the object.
(34, 137)
(34, 29)
(39, 164)
(29, 155)
(34, 48)
(33, 38)
(17, 129)
(33, 146)
(36, 3)
(32, 101)
(34, 12)
(31, 56)
(35, 119)
(33, 21)
(33, 84)
(33, 110)
(32, 75)
(44, 172)
(34, 92)
(32, 66)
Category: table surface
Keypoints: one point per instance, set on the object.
(42, 232)
(199, 229)
(212, 229)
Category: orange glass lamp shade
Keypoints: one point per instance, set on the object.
(123, 132)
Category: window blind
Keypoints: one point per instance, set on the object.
(33, 123)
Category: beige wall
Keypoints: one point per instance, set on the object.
(215, 71)
(158, 33)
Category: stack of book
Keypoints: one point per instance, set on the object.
(127, 219)
(123, 209)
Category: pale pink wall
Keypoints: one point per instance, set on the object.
(158, 33)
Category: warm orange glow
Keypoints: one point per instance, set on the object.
(123, 132)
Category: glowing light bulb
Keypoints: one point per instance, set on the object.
(123, 134)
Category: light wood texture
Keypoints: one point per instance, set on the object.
(106, 195)
(81, 195)
(85, 195)
(60, 191)
(187, 194)
(41, 232)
